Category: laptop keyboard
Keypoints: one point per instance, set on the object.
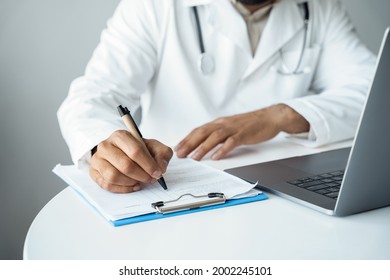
(327, 184)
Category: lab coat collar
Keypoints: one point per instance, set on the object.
(191, 3)
(224, 18)
(284, 23)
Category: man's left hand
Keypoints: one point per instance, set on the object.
(243, 129)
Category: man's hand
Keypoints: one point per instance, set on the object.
(120, 163)
(249, 128)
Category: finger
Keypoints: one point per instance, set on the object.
(122, 163)
(193, 140)
(110, 174)
(230, 143)
(98, 178)
(137, 152)
(216, 137)
(160, 152)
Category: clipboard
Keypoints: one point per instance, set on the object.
(193, 188)
(186, 208)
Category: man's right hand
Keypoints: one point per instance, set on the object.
(120, 163)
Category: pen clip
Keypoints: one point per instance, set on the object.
(135, 125)
(123, 112)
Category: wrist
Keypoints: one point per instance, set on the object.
(284, 119)
(290, 121)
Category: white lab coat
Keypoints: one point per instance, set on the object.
(148, 56)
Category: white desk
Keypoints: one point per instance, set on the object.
(68, 228)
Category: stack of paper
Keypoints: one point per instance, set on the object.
(184, 176)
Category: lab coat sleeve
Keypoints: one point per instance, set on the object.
(119, 71)
(341, 81)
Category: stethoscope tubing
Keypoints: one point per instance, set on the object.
(296, 71)
(206, 61)
(198, 29)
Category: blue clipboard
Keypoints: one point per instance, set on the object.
(155, 216)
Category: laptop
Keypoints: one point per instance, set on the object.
(344, 181)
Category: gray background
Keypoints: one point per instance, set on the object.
(44, 45)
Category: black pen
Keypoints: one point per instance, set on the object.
(132, 127)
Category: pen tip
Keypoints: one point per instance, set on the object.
(162, 183)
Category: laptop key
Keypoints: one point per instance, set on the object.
(327, 180)
(333, 184)
(295, 182)
(317, 187)
(323, 191)
(326, 175)
(332, 194)
(337, 173)
(305, 180)
(309, 184)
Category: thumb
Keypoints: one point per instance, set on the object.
(161, 153)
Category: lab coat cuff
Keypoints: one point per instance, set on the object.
(81, 152)
(81, 156)
(319, 133)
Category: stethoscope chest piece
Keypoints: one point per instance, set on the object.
(206, 60)
(206, 63)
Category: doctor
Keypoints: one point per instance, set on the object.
(213, 75)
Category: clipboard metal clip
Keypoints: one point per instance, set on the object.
(165, 207)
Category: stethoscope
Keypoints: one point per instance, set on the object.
(206, 60)
(285, 70)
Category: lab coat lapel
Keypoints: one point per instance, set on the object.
(190, 3)
(226, 20)
(284, 22)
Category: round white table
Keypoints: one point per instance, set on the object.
(69, 228)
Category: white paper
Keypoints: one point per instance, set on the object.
(183, 176)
